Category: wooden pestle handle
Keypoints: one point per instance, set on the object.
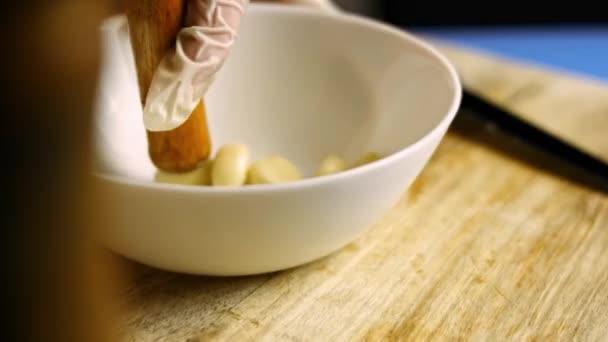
(153, 27)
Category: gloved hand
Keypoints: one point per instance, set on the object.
(187, 71)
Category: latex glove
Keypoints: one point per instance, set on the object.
(187, 71)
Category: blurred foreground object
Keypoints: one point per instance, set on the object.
(58, 285)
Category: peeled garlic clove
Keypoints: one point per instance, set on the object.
(199, 176)
(331, 164)
(368, 158)
(272, 170)
(230, 165)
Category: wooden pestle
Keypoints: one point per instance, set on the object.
(153, 27)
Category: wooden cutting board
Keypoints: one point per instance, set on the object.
(494, 241)
(567, 105)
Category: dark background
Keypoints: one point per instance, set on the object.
(466, 12)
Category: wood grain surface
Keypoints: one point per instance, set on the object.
(565, 104)
(495, 241)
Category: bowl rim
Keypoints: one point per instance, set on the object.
(352, 18)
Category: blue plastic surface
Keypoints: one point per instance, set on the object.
(574, 48)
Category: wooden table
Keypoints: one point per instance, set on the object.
(494, 241)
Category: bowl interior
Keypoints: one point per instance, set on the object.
(298, 83)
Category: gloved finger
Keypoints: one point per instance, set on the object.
(187, 71)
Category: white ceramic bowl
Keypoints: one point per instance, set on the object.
(299, 83)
